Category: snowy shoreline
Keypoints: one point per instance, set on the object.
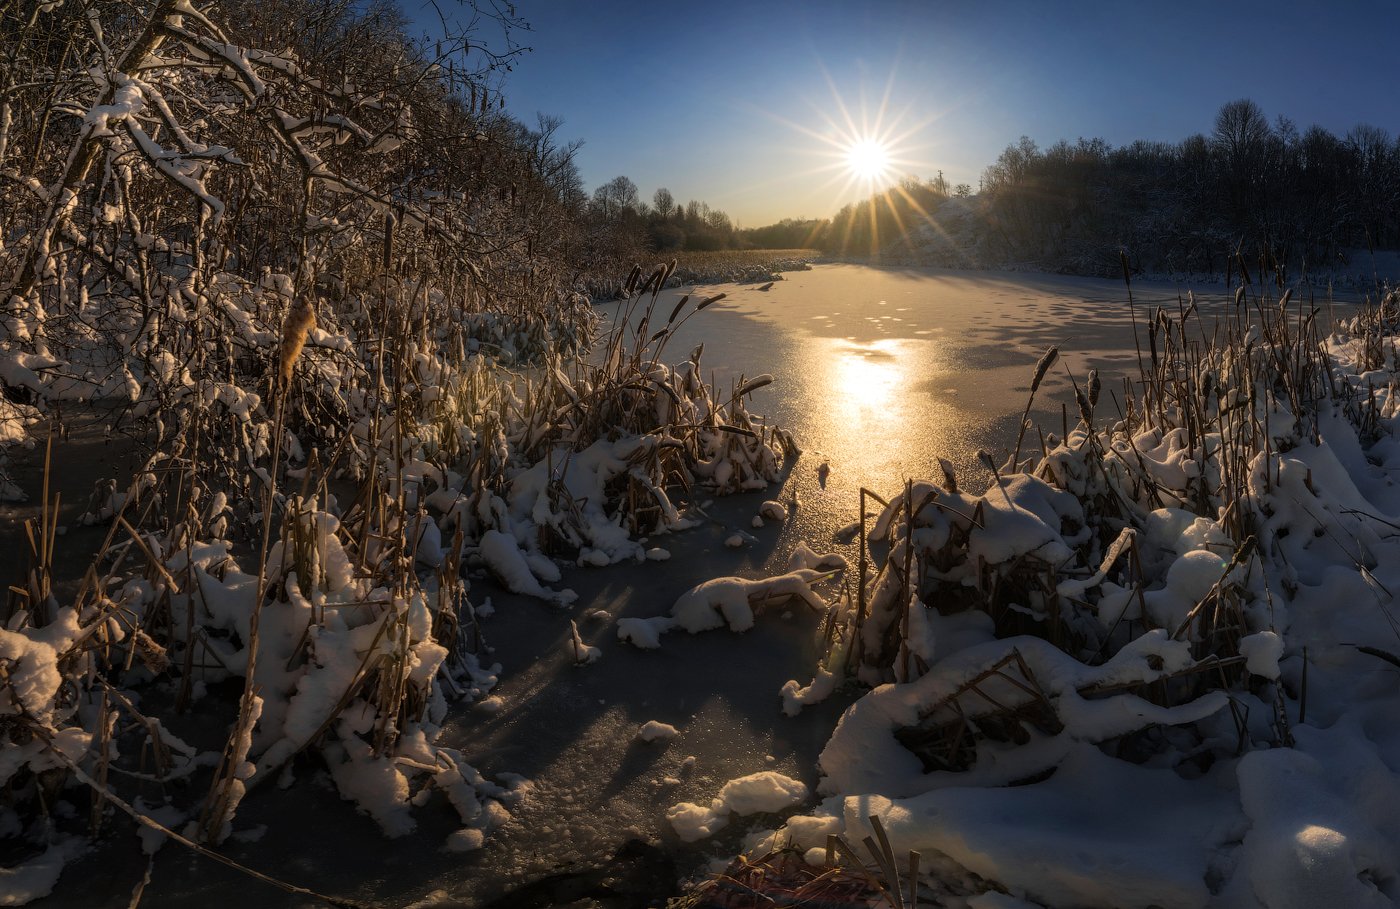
(1119, 579)
(1181, 771)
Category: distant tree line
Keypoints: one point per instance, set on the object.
(622, 220)
(885, 220)
(1301, 199)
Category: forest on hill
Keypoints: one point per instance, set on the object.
(1305, 199)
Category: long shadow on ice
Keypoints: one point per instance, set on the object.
(572, 729)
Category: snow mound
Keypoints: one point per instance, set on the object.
(731, 601)
(656, 731)
(644, 633)
(767, 791)
(795, 697)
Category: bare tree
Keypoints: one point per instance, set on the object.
(663, 202)
(616, 198)
(1241, 130)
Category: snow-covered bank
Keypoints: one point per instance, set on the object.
(347, 623)
(1159, 671)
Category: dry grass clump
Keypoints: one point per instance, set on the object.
(1069, 547)
(740, 266)
(347, 620)
(839, 877)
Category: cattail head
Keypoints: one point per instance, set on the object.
(653, 283)
(152, 655)
(1043, 366)
(1095, 386)
(950, 478)
(754, 384)
(677, 311)
(1086, 410)
(301, 319)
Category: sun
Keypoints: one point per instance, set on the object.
(868, 160)
(871, 153)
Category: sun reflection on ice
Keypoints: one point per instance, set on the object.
(873, 410)
(866, 376)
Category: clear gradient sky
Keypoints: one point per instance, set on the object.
(727, 101)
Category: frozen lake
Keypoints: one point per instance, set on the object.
(879, 372)
(882, 371)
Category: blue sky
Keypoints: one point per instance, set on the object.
(728, 101)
